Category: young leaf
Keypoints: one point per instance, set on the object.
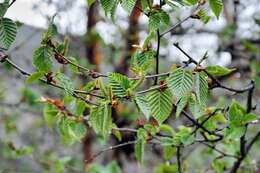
(65, 82)
(236, 113)
(49, 113)
(216, 6)
(8, 31)
(218, 70)
(143, 105)
(201, 88)
(35, 76)
(154, 22)
(248, 118)
(190, 2)
(90, 2)
(181, 104)
(107, 5)
(139, 145)
(158, 18)
(203, 16)
(77, 130)
(160, 103)
(119, 84)
(180, 82)
(128, 5)
(3, 7)
(168, 152)
(101, 120)
(196, 108)
(42, 59)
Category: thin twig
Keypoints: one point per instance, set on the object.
(219, 151)
(75, 92)
(157, 56)
(218, 84)
(108, 149)
(175, 26)
(178, 156)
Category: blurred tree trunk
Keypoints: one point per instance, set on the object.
(94, 57)
(131, 39)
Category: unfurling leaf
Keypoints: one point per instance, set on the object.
(218, 70)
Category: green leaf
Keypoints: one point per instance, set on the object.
(49, 114)
(235, 132)
(90, 2)
(119, 84)
(166, 168)
(64, 131)
(154, 22)
(184, 135)
(113, 10)
(196, 108)
(160, 103)
(73, 67)
(165, 18)
(180, 82)
(181, 104)
(42, 59)
(218, 70)
(101, 120)
(218, 165)
(164, 128)
(77, 130)
(158, 18)
(139, 145)
(8, 31)
(65, 82)
(143, 105)
(3, 8)
(107, 5)
(71, 130)
(201, 88)
(143, 61)
(168, 152)
(35, 76)
(190, 2)
(128, 5)
(236, 113)
(248, 118)
(203, 16)
(216, 6)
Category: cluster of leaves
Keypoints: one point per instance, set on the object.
(185, 89)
